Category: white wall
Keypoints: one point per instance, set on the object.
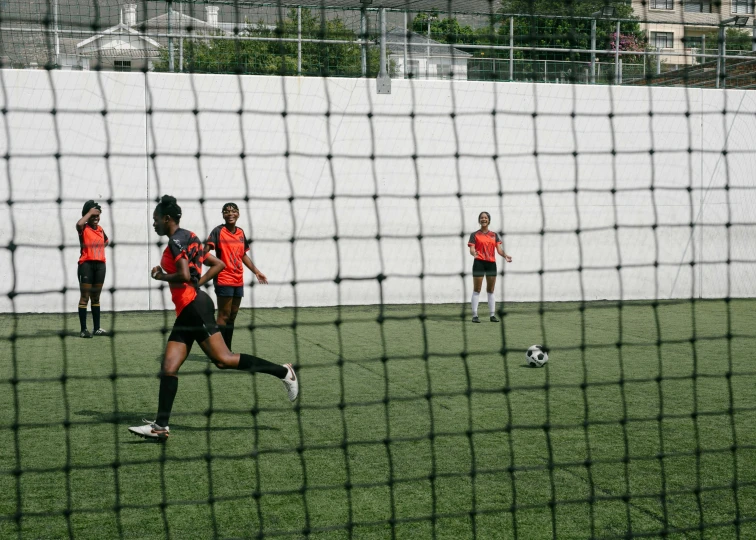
(153, 114)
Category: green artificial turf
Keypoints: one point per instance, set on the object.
(412, 422)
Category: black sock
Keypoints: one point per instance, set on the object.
(168, 388)
(96, 315)
(83, 317)
(228, 334)
(253, 364)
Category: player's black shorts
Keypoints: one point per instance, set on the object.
(484, 268)
(92, 273)
(226, 290)
(196, 322)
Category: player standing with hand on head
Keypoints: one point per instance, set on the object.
(195, 318)
(230, 245)
(91, 271)
(484, 245)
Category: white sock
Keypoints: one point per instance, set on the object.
(474, 302)
(491, 304)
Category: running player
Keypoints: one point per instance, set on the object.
(484, 245)
(195, 318)
(230, 245)
(91, 271)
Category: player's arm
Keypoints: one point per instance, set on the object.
(501, 251)
(216, 267)
(259, 275)
(181, 275)
(473, 252)
(83, 221)
(107, 240)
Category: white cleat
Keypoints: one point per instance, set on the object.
(291, 383)
(150, 430)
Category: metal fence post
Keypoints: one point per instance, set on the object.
(383, 83)
(616, 54)
(170, 39)
(299, 40)
(405, 45)
(511, 48)
(363, 36)
(593, 51)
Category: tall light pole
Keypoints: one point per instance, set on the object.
(607, 12)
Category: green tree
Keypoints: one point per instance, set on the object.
(278, 57)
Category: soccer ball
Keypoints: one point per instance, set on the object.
(536, 356)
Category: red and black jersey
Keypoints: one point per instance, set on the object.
(485, 244)
(183, 244)
(92, 242)
(230, 247)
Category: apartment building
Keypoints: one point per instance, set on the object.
(679, 26)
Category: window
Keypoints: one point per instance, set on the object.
(742, 6)
(662, 4)
(122, 65)
(697, 6)
(693, 42)
(662, 40)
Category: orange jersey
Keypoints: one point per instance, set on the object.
(485, 244)
(230, 248)
(183, 245)
(92, 243)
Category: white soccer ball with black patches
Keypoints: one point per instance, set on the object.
(536, 356)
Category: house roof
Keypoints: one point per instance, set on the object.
(418, 45)
(119, 29)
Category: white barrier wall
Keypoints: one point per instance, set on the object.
(606, 200)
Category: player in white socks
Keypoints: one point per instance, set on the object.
(484, 245)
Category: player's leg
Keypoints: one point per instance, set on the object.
(84, 274)
(211, 341)
(98, 282)
(490, 284)
(234, 311)
(477, 284)
(224, 312)
(176, 351)
(216, 350)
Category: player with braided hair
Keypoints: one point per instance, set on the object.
(91, 270)
(181, 268)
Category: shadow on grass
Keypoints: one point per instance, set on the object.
(134, 419)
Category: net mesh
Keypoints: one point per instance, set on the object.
(624, 195)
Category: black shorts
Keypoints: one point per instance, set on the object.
(226, 290)
(91, 273)
(196, 322)
(484, 268)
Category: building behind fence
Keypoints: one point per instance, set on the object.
(665, 35)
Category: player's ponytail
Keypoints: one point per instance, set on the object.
(168, 206)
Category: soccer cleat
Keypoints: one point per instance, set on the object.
(85, 334)
(291, 383)
(476, 319)
(494, 319)
(101, 332)
(150, 430)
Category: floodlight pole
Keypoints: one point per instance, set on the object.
(593, 51)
